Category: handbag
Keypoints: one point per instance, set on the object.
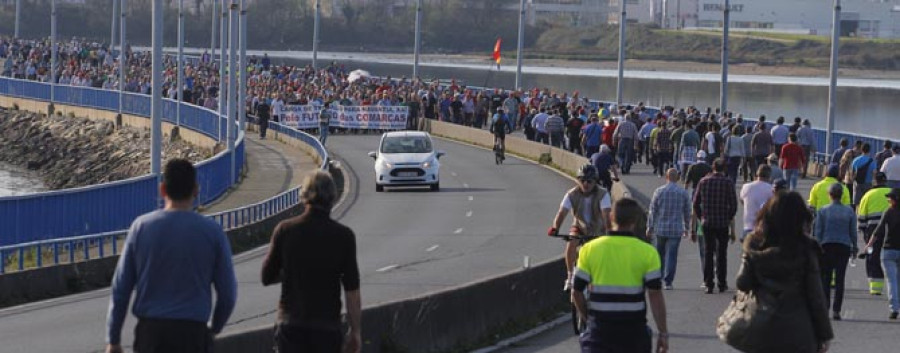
(744, 322)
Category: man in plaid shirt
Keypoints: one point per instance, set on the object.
(670, 214)
(663, 148)
(715, 204)
(624, 136)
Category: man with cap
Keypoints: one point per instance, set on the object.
(819, 195)
(868, 213)
(891, 168)
(835, 229)
(887, 233)
(695, 172)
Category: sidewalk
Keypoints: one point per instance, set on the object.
(272, 168)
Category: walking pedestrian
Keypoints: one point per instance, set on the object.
(689, 145)
(792, 161)
(540, 125)
(819, 194)
(555, 128)
(807, 143)
(624, 137)
(606, 166)
(592, 136)
(172, 260)
(715, 204)
(862, 169)
(663, 147)
(780, 266)
(324, 122)
(734, 151)
(753, 196)
(872, 206)
(263, 112)
(891, 168)
(761, 145)
(888, 233)
(667, 222)
(621, 270)
(835, 228)
(313, 256)
(780, 134)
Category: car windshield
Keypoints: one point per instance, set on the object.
(406, 144)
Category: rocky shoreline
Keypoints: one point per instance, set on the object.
(67, 151)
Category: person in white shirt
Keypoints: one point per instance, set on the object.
(754, 195)
(891, 168)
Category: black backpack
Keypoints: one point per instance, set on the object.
(863, 172)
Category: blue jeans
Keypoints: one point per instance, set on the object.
(625, 154)
(668, 253)
(890, 261)
(323, 133)
(791, 176)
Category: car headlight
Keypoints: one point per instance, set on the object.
(386, 164)
(428, 164)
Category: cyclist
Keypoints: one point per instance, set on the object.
(499, 127)
(590, 205)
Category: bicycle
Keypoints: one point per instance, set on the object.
(578, 325)
(499, 151)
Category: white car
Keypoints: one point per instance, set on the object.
(406, 158)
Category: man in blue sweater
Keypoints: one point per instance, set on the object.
(172, 260)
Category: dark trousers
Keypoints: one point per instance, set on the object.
(263, 127)
(873, 260)
(575, 145)
(296, 339)
(556, 139)
(663, 162)
(834, 261)
(617, 338)
(807, 150)
(715, 263)
(734, 164)
(543, 137)
(172, 336)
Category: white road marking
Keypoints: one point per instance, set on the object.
(465, 185)
(471, 198)
(469, 214)
(387, 268)
(453, 173)
(432, 248)
(457, 231)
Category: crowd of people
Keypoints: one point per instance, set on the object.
(701, 154)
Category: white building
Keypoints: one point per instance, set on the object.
(863, 18)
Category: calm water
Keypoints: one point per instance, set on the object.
(16, 181)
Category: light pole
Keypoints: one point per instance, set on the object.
(315, 52)
(678, 14)
(222, 45)
(832, 87)
(418, 44)
(179, 89)
(112, 25)
(723, 88)
(242, 68)
(122, 57)
(232, 85)
(213, 32)
(18, 16)
(156, 91)
(620, 83)
(520, 45)
(53, 51)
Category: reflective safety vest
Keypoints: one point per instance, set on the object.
(871, 207)
(617, 267)
(818, 195)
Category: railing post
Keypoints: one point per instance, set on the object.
(86, 245)
(39, 256)
(100, 246)
(115, 244)
(2, 263)
(56, 253)
(21, 259)
(71, 252)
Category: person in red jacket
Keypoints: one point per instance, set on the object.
(608, 133)
(792, 159)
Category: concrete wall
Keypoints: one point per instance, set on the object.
(193, 137)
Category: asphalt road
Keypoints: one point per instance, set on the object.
(484, 221)
(692, 314)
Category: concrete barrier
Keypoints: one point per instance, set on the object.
(449, 320)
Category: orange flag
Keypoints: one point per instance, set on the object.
(496, 55)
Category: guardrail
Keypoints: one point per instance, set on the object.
(109, 206)
(80, 248)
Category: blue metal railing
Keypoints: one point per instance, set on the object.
(110, 206)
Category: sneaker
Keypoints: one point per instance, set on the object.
(669, 287)
(723, 289)
(874, 292)
(567, 285)
(836, 316)
(893, 315)
(709, 290)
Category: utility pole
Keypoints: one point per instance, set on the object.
(620, 83)
(723, 88)
(520, 45)
(242, 68)
(53, 51)
(122, 57)
(418, 44)
(832, 87)
(678, 14)
(179, 89)
(156, 92)
(213, 32)
(315, 52)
